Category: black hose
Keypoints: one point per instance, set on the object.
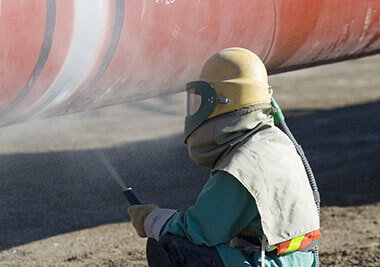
(279, 121)
(284, 127)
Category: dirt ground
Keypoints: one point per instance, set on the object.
(60, 207)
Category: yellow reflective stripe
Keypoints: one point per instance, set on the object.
(270, 248)
(295, 243)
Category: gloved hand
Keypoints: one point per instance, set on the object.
(138, 213)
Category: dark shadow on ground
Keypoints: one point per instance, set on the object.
(343, 147)
(46, 194)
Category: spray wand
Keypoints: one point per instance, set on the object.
(155, 253)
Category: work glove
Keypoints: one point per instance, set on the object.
(138, 213)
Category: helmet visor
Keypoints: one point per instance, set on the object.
(194, 101)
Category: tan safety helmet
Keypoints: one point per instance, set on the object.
(231, 79)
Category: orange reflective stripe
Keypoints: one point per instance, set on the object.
(282, 247)
(315, 235)
(297, 243)
(305, 242)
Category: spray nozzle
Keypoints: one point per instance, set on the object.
(131, 196)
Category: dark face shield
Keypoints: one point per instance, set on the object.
(201, 101)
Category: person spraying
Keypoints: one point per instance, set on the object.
(257, 207)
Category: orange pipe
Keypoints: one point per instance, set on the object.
(62, 56)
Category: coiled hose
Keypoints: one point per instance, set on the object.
(279, 121)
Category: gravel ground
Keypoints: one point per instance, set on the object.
(60, 207)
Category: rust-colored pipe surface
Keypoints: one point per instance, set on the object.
(62, 56)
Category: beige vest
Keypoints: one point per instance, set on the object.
(268, 166)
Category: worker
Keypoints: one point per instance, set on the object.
(257, 207)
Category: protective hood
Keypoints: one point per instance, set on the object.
(247, 145)
(217, 136)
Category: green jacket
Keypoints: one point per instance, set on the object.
(223, 209)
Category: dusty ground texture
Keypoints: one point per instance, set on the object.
(60, 207)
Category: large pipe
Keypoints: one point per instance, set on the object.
(62, 56)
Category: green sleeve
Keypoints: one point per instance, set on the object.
(223, 208)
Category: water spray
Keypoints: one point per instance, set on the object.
(155, 253)
(128, 192)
